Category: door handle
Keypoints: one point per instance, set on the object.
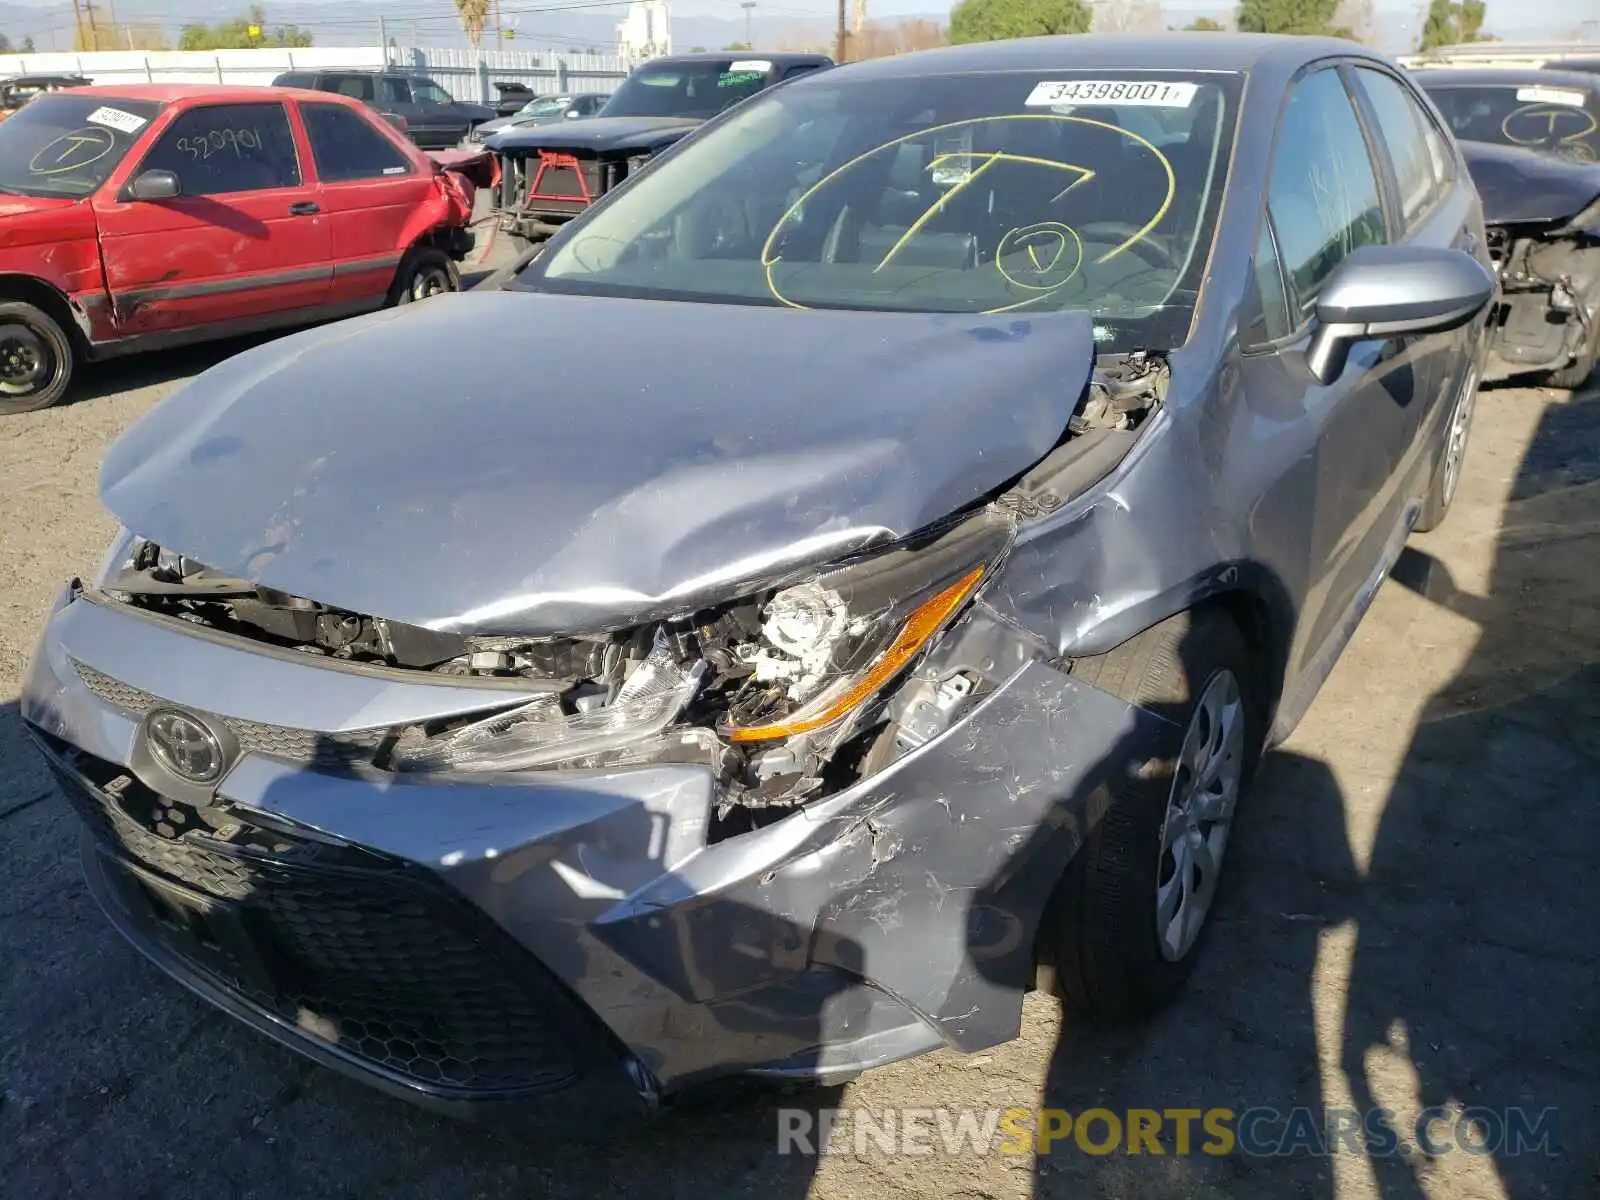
(304, 208)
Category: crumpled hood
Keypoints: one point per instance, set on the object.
(602, 462)
(1525, 186)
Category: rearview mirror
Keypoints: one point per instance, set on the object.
(155, 185)
(1389, 291)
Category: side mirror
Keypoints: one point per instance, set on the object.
(1389, 291)
(155, 185)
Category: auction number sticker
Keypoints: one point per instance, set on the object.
(1150, 93)
(759, 65)
(1547, 95)
(115, 118)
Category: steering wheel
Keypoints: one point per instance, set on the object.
(1115, 233)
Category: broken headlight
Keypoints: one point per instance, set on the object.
(543, 732)
(830, 645)
(807, 659)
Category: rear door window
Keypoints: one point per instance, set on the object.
(1323, 193)
(395, 90)
(345, 146)
(1400, 123)
(358, 87)
(426, 91)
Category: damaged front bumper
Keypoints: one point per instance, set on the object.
(495, 939)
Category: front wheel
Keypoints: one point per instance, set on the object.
(426, 271)
(1128, 918)
(36, 358)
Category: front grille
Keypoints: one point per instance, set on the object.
(351, 948)
(280, 741)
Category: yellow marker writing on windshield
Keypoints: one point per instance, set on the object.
(985, 160)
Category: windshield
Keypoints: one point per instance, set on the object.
(63, 145)
(1554, 119)
(687, 89)
(549, 106)
(961, 193)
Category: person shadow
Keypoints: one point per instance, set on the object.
(1472, 985)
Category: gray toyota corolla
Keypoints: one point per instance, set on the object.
(893, 525)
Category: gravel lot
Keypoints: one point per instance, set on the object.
(1405, 922)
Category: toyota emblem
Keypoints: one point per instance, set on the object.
(184, 746)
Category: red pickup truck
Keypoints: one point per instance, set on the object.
(134, 218)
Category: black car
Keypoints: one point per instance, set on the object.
(550, 173)
(1543, 224)
(1556, 112)
(434, 119)
(17, 90)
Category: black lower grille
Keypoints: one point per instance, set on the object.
(359, 952)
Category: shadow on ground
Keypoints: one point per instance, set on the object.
(1471, 987)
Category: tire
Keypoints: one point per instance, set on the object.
(1576, 375)
(424, 272)
(37, 358)
(1452, 457)
(1101, 931)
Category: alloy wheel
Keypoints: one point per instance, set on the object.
(1194, 832)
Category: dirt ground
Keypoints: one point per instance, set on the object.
(1405, 922)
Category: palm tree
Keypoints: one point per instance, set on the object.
(474, 14)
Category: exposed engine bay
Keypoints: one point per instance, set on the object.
(1542, 222)
(1549, 303)
(791, 691)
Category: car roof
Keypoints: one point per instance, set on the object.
(1504, 77)
(1176, 51)
(776, 57)
(352, 71)
(41, 77)
(171, 93)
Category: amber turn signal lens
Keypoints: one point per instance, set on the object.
(928, 618)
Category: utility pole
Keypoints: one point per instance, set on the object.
(747, 5)
(498, 36)
(839, 34)
(94, 34)
(383, 40)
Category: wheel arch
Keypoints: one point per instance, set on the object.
(1252, 596)
(45, 296)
